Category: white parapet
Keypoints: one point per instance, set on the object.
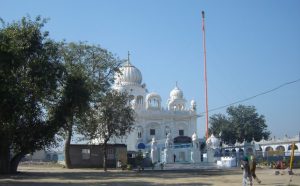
(227, 162)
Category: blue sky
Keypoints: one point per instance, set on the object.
(252, 46)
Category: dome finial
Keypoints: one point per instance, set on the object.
(128, 59)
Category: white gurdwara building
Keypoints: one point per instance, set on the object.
(152, 120)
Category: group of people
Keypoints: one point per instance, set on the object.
(248, 164)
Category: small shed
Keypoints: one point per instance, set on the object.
(91, 156)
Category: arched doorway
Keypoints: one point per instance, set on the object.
(290, 147)
(280, 148)
(233, 152)
(249, 151)
(269, 149)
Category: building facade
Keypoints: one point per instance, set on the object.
(271, 147)
(152, 119)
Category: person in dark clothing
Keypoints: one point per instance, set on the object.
(174, 158)
(246, 171)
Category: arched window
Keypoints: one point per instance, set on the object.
(139, 131)
(140, 100)
(154, 102)
(226, 153)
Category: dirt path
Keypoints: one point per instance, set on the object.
(56, 176)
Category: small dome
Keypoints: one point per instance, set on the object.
(153, 95)
(213, 142)
(129, 75)
(193, 105)
(176, 93)
(193, 102)
(194, 136)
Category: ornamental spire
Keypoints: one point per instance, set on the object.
(128, 59)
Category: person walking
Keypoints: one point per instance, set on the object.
(246, 171)
(253, 167)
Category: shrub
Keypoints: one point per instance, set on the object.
(129, 167)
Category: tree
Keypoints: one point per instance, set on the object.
(221, 126)
(99, 64)
(112, 117)
(30, 69)
(73, 105)
(242, 123)
(89, 73)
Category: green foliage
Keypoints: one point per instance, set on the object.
(111, 117)
(30, 69)
(98, 64)
(129, 167)
(89, 74)
(242, 123)
(46, 86)
(139, 158)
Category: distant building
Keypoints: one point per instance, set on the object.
(272, 147)
(272, 150)
(42, 156)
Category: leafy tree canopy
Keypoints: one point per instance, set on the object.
(241, 123)
(30, 69)
(98, 63)
(111, 117)
(89, 74)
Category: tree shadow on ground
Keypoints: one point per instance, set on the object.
(94, 175)
(85, 177)
(139, 183)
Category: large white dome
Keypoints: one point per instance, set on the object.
(176, 93)
(129, 75)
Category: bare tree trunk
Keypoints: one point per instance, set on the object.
(4, 157)
(105, 155)
(14, 163)
(67, 148)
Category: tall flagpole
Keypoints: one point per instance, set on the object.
(205, 75)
